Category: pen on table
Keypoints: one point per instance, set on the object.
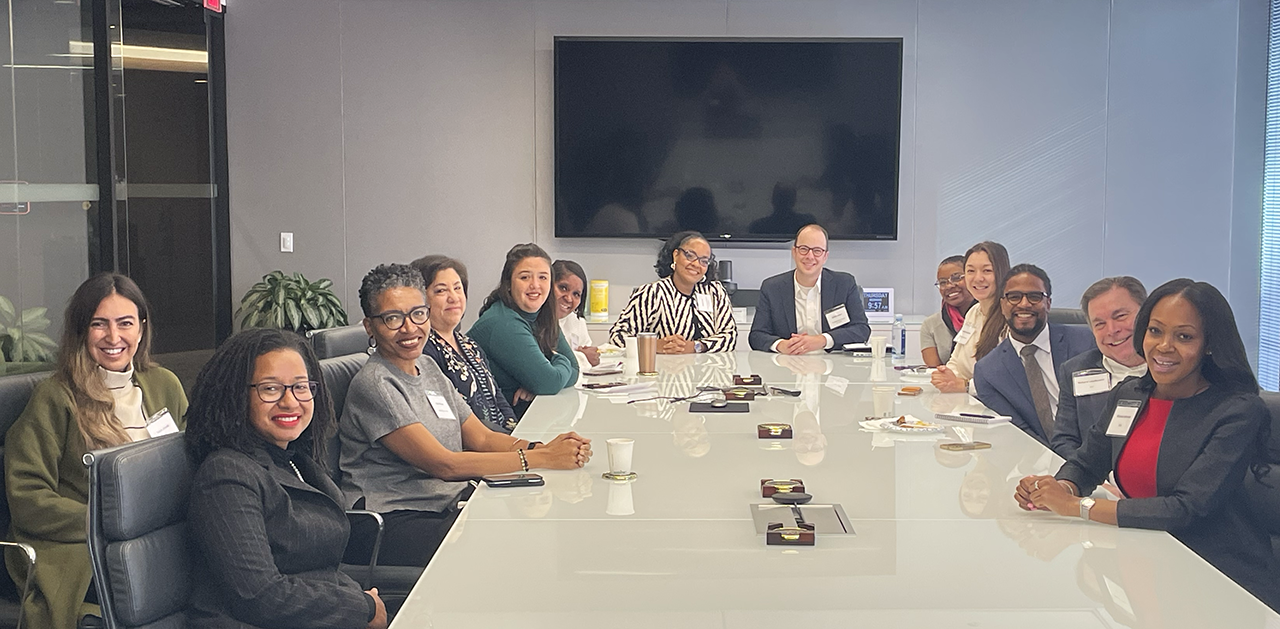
(978, 415)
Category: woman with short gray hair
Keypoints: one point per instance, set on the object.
(410, 442)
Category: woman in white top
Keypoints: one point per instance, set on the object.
(570, 281)
(985, 266)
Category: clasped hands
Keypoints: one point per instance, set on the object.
(569, 450)
(802, 344)
(675, 344)
(947, 381)
(1046, 493)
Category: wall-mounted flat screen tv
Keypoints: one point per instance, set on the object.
(739, 139)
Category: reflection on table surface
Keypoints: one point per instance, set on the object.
(939, 541)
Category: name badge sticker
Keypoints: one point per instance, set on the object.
(161, 424)
(703, 302)
(1090, 382)
(440, 406)
(966, 331)
(837, 316)
(1123, 417)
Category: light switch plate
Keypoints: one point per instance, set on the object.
(286, 242)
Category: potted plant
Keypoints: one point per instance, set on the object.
(24, 347)
(291, 302)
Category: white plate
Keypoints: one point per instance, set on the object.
(913, 430)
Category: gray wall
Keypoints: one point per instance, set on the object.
(1091, 138)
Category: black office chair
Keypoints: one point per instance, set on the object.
(15, 391)
(334, 342)
(393, 582)
(138, 532)
(1264, 496)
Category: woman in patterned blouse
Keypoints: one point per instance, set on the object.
(687, 308)
(459, 357)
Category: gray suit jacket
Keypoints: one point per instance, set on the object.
(1076, 413)
(776, 311)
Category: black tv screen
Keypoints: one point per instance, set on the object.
(742, 140)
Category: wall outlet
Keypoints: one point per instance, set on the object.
(286, 242)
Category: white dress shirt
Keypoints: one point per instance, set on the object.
(1120, 372)
(1044, 356)
(809, 313)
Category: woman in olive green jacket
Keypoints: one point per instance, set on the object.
(105, 392)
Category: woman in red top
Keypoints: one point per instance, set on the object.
(1180, 439)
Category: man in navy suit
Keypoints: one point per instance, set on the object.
(1019, 377)
(1111, 305)
(812, 308)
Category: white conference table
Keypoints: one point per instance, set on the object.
(939, 541)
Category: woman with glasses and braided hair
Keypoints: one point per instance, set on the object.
(410, 442)
(265, 519)
(686, 307)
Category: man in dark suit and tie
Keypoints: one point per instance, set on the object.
(812, 308)
(1111, 305)
(1019, 377)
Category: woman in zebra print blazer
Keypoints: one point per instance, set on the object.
(687, 308)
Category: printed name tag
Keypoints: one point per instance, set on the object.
(161, 424)
(1122, 419)
(963, 335)
(703, 302)
(1090, 382)
(440, 405)
(837, 316)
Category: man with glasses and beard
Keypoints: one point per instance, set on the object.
(812, 308)
(1019, 378)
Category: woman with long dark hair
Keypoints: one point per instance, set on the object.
(1180, 440)
(265, 519)
(519, 333)
(688, 310)
(986, 265)
(104, 392)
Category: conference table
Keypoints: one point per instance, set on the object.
(937, 539)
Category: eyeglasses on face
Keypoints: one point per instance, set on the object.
(394, 319)
(272, 392)
(1014, 297)
(805, 250)
(705, 261)
(956, 278)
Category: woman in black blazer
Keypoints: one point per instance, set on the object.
(1180, 439)
(267, 524)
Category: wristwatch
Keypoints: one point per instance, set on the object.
(698, 347)
(1086, 503)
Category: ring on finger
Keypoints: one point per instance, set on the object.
(1037, 485)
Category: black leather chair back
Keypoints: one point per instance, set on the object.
(335, 342)
(15, 391)
(1264, 496)
(138, 532)
(337, 373)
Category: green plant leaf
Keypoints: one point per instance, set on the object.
(33, 319)
(278, 321)
(294, 315)
(8, 315)
(312, 316)
(322, 284)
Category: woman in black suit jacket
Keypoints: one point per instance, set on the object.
(266, 522)
(1181, 440)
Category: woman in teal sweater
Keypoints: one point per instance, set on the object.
(519, 333)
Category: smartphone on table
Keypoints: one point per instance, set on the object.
(519, 479)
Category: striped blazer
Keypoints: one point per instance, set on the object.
(659, 308)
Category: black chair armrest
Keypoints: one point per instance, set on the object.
(377, 542)
(29, 554)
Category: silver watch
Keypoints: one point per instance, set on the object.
(1086, 503)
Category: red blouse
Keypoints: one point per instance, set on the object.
(1136, 467)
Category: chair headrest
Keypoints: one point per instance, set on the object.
(143, 486)
(15, 392)
(351, 339)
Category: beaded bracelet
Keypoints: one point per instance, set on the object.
(524, 463)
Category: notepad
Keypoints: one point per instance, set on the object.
(972, 419)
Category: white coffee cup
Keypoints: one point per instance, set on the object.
(632, 355)
(620, 502)
(878, 343)
(620, 455)
(882, 400)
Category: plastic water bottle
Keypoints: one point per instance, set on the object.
(899, 338)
